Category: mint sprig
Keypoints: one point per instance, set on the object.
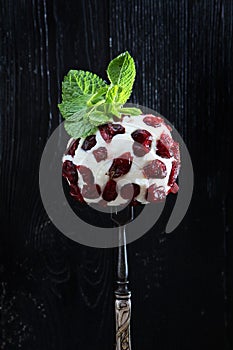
(78, 88)
(121, 73)
(88, 101)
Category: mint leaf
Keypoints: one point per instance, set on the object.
(76, 126)
(68, 108)
(98, 118)
(77, 88)
(130, 110)
(98, 96)
(112, 94)
(121, 71)
(88, 101)
(79, 82)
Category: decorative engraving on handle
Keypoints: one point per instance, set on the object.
(123, 313)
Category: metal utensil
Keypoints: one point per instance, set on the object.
(122, 293)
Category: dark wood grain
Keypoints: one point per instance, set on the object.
(56, 294)
(183, 49)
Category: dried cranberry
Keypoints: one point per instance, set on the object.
(69, 171)
(139, 150)
(155, 194)
(155, 170)
(152, 120)
(174, 188)
(142, 144)
(167, 147)
(89, 142)
(162, 150)
(72, 147)
(174, 173)
(109, 192)
(141, 136)
(108, 131)
(86, 174)
(75, 192)
(100, 154)
(120, 166)
(176, 150)
(91, 191)
(129, 191)
(164, 145)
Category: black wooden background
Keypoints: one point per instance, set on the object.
(57, 294)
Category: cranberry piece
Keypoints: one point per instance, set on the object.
(176, 151)
(109, 192)
(108, 131)
(155, 170)
(164, 146)
(152, 120)
(91, 191)
(162, 150)
(174, 173)
(142, 136)
(89, 142)
(167, 147)
(129, 191)
(100, 154)
(155, 194)
(143, 142)
(120, 166)
(72, 147)
(116, 129)
(76, 194)
(174, 188)
(69, 171)
(139, 150)
(86, 174)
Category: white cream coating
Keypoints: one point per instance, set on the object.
(120, 144)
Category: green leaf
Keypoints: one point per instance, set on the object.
(68, 108)
(112, 94)
(87, 101)
(98, 118)
(98, 96)
(130, 110)
(77, 88)
(77, 116)
(79, 82)
(121, 71)
(76, 127)
(114, 110)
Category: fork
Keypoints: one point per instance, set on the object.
(122, 292)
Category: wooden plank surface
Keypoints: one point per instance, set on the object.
(57, 294)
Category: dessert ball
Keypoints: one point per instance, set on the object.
(134, 160)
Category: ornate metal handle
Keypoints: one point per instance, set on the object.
(123, 302)
(123, 313)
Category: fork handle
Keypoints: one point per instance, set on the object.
(123, 314)
(122, 294)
